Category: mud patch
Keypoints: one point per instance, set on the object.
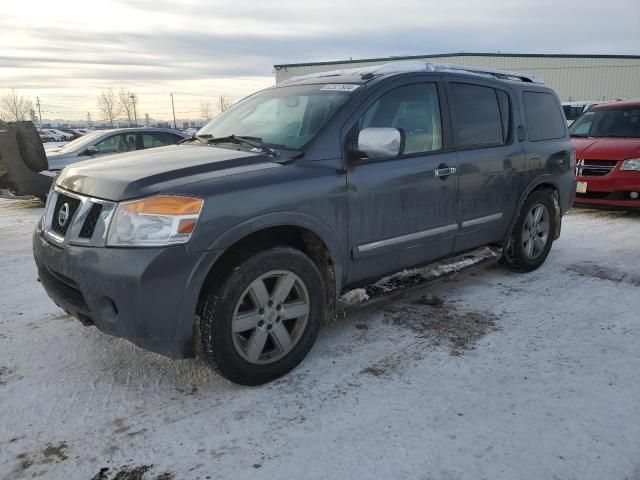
(16, 204)
(128, 472)
(55, 453)
(604, 273)
(5, 375)
(442, 324)
(436, 325)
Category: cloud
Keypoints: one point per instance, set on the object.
(162, 44)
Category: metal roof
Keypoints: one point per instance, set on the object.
(458, 54)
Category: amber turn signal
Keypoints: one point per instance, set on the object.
(165, 205)
(186, 225)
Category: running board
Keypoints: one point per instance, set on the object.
(414, 277)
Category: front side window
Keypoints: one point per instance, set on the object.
(285, 117)
(120, 143)
(415, 110)
(543, 116)
(608, 122)
(477, 115)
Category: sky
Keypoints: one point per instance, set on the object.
(68, 51)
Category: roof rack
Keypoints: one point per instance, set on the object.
(366, 73)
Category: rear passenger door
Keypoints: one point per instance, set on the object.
(489, 160)
(400, 212)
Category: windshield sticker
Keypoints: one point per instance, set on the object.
(340, 87)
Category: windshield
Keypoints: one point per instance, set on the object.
(80, 142)
(608, 122)
(286, 117)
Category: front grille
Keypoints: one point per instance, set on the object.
(595, 168)
(60, 222)
(89, 224)
(75, 219)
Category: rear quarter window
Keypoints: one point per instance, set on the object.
(545, 119)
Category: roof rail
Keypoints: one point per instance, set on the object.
(366, 73)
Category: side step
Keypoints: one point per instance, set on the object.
(408, 279)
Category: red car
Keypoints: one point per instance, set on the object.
(607, 143)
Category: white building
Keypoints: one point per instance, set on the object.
(573, 77)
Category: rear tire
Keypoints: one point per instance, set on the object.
(261, 320)
(533, 233)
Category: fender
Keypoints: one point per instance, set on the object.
(542, 179)
(286, 219)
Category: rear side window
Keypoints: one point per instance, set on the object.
(479, 119)
(159, 139)
(545, 120)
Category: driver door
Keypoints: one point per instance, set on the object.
(401, 212)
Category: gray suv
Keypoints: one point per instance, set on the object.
(237, 242)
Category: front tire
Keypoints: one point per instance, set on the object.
(533, 233)
(260, 321)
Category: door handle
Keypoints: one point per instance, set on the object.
(444, 172)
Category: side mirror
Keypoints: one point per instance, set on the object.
(91, 150)
(381, 142)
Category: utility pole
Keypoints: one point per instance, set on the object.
(135, 115)
(39, 112)
(89, 121)
(174, 110)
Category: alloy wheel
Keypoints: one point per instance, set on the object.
(535, 231)
(270, 317)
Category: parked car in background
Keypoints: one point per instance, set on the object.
(48, 136)
(58, 135)
(573, 110)
(74, 134)
(607, 142)
(109, 142)
(238, 242)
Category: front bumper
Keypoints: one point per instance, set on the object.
(611, 190)
(148, 296)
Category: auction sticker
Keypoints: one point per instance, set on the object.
(340, 87)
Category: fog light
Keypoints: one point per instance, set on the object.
(634, 195)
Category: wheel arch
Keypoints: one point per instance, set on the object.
(280, 229)
(544, 182)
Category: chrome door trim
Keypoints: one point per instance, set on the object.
(479, 220)
(368, 247)
(444, 172)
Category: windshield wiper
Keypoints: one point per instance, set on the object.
(194, 137)
(254, 142)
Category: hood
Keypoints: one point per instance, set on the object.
(606, 148)
(145, 172)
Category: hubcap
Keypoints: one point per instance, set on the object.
(270, 317)
(535, 231)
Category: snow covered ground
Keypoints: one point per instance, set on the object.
(489, 374)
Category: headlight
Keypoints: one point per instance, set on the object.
(154, 221)
(631, 164)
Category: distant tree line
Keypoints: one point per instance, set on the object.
(112, 106)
